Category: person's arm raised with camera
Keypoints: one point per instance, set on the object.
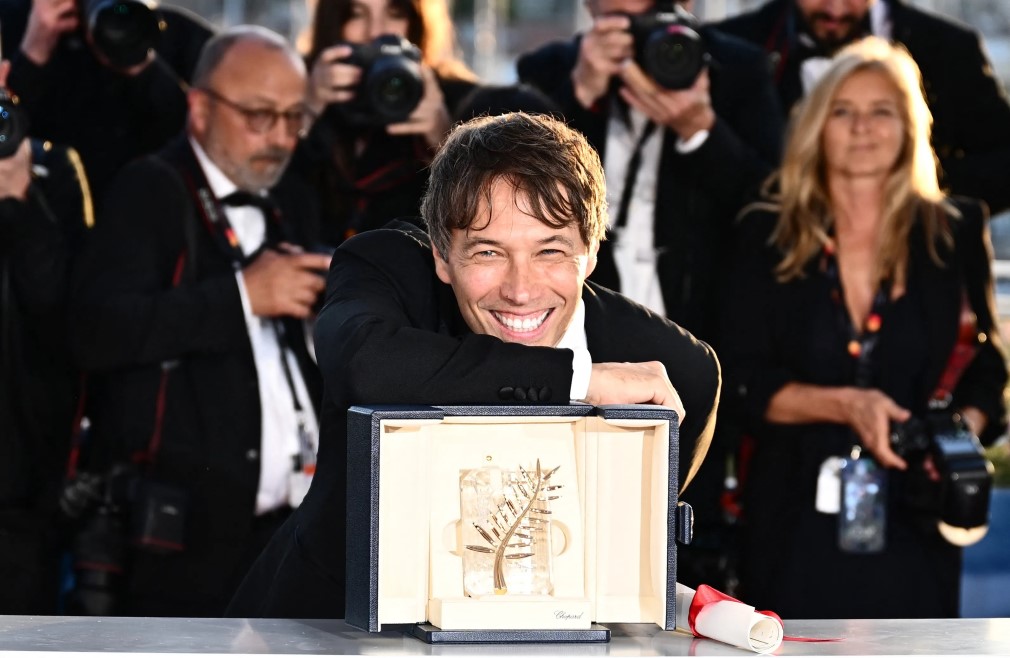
(285, 282)
(48, 21)
(603, 52)
(684, 111)
(332, 79)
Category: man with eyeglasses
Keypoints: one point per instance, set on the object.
(189, 311)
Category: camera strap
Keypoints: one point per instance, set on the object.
(961, 355)
(860, 342)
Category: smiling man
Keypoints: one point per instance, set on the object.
(492, 308)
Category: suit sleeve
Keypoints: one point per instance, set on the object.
(983, 383)
(378, 337)
(125, 308)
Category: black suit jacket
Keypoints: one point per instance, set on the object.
(971, 115)
(129, 321)
(699, 193)
(392, 333)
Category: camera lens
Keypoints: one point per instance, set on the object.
(674, 56)
(394, 88)
(124, 31)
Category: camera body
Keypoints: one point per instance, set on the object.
(668, 46)
(13, 125)
(113, 511)
(123, 32)
(965, 474)
(391, 85)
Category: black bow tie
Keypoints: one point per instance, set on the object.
(241, 198)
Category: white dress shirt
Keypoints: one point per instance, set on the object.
(574, 339)
(634, 246)
(279, 439)
(813, 68)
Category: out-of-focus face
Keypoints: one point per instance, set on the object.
(864, 133)
(373, 18)
(250, 77)
(516, 278)
(834, 22)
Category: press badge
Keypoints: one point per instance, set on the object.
(829, 486)
(862, 522)
(304, 467)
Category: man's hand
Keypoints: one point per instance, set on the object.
(685, 111)
(48, 21)
(285, 283)
(430, 118)
(603, 52)
(16, 173)
(633, 383)
(869, 413)
(332, 80)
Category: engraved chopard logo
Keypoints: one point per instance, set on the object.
(561, 614)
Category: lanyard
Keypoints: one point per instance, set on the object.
(631, 176)
(860, 342)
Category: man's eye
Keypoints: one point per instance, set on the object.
(552, 252)
(487, 253)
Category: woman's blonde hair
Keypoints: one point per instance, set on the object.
(799, 190)
(429, 27)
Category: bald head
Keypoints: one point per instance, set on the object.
(248, 37)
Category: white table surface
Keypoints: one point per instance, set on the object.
(38, 636)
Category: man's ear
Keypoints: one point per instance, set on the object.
(441, 266)
(594, 250)
(199, 112)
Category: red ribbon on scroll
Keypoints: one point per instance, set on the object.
(706, 595)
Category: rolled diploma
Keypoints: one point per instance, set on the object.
(730, 622)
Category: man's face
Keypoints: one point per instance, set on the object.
(516, 278)
(250, 77)
(833, 22)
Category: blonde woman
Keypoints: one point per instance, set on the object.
(846, 306)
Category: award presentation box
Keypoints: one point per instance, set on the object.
(614, 520)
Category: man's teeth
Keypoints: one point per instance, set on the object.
(522, 324)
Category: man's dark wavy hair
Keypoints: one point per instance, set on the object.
(540, 157)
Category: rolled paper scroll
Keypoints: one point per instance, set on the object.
(712, 614)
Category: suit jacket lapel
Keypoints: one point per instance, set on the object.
(941, 294)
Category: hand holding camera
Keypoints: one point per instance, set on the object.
(285, 283)
(48, 21)
(604, 51)
(870, 413)
(684, 111)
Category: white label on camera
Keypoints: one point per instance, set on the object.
(829, 486)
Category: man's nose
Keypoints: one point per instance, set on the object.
(280, 135)
(518, 283)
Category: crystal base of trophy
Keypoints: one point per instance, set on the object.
(513, 523)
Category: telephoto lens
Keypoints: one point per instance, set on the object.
(391, 85)
(123, 31)
(667, 46)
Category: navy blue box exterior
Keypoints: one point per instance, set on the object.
(363, 424)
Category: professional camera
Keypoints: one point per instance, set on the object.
(667, 45)
(391, 85)
(122, 31)
(965, 474)
(13, 125)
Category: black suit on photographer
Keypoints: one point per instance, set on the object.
(43, 213)
(110, 116)
(188, 314)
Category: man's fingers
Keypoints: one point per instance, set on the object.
(318, 262)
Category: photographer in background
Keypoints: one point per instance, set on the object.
(80, 94)
(680, 160)
(367, 169)
(188, 312)
(43, 212)
(862, 299)
(971, 113)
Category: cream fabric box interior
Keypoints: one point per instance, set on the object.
(613, 519)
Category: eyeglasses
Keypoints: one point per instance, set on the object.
(263, 120)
